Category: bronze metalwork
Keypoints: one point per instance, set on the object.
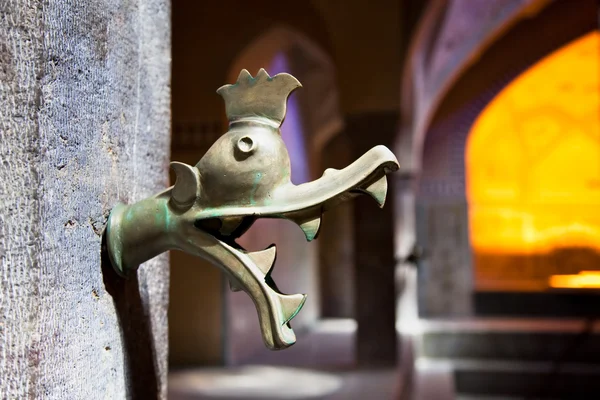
(245, 175)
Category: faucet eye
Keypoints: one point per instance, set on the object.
(246, 146)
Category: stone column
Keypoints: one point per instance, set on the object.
(84, 123)
(336, 247)
(375, 296)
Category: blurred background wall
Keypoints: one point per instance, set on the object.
(348, 58)
(490, 231)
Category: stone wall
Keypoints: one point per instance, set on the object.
(84, 124)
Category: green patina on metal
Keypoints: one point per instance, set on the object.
(249, 163)
(166, 215)
(255, 188)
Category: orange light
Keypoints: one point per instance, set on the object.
(533, 159)
(583, 280)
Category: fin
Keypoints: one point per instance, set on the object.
(378, 190)
(234, 286)
(264, 259)
(185, 190)
(311, 227)
(291, 304)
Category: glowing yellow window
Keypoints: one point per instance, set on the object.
(533, 173)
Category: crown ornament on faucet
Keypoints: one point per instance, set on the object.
(261, 99)
(245, 175)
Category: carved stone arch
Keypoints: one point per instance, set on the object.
(450, 38)
(453, 48)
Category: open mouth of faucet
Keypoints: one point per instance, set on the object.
(275, 308)
(227, 230)
(213, 226)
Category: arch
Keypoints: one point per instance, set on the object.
(536, 195)
(441, 51)
(438, 56)
(449, 79)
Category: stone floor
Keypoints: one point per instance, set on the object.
(319, 366)
(283, 383)
(432, 382)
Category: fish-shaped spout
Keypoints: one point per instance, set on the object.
(245, 175)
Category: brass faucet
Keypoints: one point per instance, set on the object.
(245, 175)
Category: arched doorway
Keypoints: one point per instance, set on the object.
(533, 174)
(446, 100)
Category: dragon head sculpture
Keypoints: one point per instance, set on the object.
(245, 175)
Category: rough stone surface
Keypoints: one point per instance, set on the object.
(84, 123)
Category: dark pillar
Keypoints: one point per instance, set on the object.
(336, 245)
(375, 296)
